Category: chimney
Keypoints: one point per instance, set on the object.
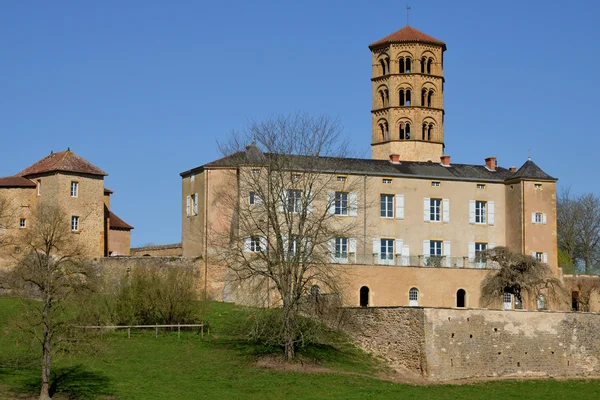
(445, 161)
(395, 158)
(490, 163)
(513, 169)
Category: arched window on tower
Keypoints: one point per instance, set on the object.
(423, 97)
(430, 132)
(386, 102)
(384, 130)
(407, 69)
(408, 97)
(429, 63)
(430, 98)
(402, 98)
(401, 65)
(382, 96)
(423, 64)
(424, 131)
(382, 63)
(404, 131)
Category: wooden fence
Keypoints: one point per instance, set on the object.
(128, 327)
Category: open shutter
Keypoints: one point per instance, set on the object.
(533, 218)
(257, 200)
(331, 202)
(399, 206)
(491, 246)
(309, 202)
(447, 253)
(331, 248)
(285, 243)
(398, 248)
(187, 206)
(263, 244)
(247, 243)
(352, 247)
(491, 212)
(533, 254)
(282, 201)
(544, 218)
(446, 210)
(405, 256)
(426, 203)
(426, 248)
(376, 246)
(471, 251)
(545, 258)
(195, 203)
(471, 211)
(353, 204)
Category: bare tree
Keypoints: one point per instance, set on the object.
(578, 229)
(283, 226)
(54, 270)
(520, 275)
(586, 287)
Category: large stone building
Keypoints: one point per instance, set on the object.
(77, 187)
(419, 243)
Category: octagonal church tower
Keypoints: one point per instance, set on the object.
(408, 96)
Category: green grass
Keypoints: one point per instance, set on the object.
(223, 366)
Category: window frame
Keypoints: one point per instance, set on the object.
(389, 205)
(293, 201)
(433, 248)
(386, 181)
(481, 209)
(74, 223)
(22, 223)
(435, 210)
(341, 205)
(436, 184)
(387, 245)
(341, 243)
(255, 244)
(74, 189)
(481, 186)
(539, 220)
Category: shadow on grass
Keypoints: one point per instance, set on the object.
(74, 382)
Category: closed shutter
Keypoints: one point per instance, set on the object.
(491, 246)
(309, 202)
(533, 254)
(544, 218)
(353, 204)
(447, 253)
(331, 247)
(331, 202)
(446, 210)
(545, 258)
(533, 218)
(263, 244)
(196, 204)
(398, 248)
(399, 206)
(471, 211)
(376, 246)
(491, 212)
(426, 203)
(471, 251)
(426, 248)
(352, 247)
(187, 206)
(257, 199)
(247, 243)
(282, 201)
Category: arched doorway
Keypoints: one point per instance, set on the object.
(413, 297)
(364, 296)
(460, 298)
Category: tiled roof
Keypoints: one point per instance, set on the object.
(16, 182)
(408, 34)
(65, 161)
(158, 247)
(361, 166)
(532, 171)
(118, 223)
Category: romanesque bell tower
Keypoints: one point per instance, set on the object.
(408, 96)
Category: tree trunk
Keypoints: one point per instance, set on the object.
(46, 354)
(288, 332)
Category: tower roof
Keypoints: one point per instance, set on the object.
(530, 170)
(64, 161)
(406, 35)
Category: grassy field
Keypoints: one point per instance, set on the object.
(223, 366)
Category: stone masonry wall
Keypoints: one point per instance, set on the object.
(449, 344)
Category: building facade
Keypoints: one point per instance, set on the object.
(77, 187)
(421, 221)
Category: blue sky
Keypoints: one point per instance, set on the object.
(143, 89)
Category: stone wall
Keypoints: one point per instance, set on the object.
(449, 344)
(158, 251)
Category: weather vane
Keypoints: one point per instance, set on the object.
(407, 13)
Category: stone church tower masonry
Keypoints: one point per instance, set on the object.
(408, 96)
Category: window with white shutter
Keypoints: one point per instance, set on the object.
(399, 206)
(195, 209)
(187, 205)
(446, 210)
(471, 211)
(426, 204)
(447, 253)
(353, 204)
(405, 255)
(491, 212)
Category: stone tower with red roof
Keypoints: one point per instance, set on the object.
(408, 96)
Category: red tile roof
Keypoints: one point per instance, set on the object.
(16, 182)
(118, 223)
(407, 34)
(65, 161)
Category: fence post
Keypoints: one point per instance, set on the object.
(156, 326)
(178, 330)
(128, 332)
(202, 330)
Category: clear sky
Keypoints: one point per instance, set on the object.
(143, 89)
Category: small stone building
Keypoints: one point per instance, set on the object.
(77, 187)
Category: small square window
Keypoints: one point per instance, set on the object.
(537, 185)
(435, 184)
(387, 181)
(256, 171)
(74, 223)
(539, 218)
(22, 223)
(341, 179)
(255, 244)
(539, 256)
(74, 189)
(296, 176)
(481, 186)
